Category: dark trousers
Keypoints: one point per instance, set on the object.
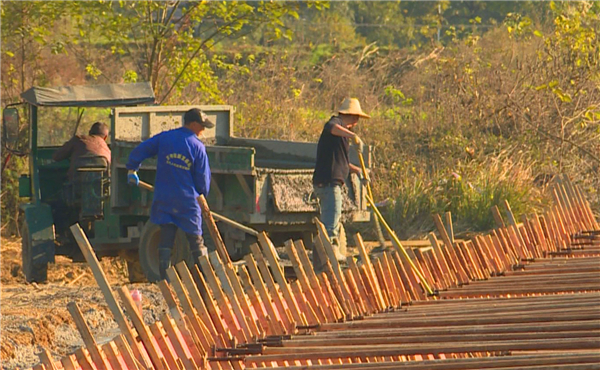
(167, 240)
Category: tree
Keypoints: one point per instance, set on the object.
(27, 32)
(168, 43)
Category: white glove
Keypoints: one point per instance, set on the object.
(359, 143)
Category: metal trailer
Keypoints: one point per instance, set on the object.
(263, 184)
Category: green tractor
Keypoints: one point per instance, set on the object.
(262, 184)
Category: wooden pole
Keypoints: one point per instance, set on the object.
(86, 335)
(111, 300)
(214, 231)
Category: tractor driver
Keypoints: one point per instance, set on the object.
(182, 174)
(333, 166)
(93, 144)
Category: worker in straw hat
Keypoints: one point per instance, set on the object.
(333, 166)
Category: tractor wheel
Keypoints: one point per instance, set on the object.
(148, 250)
(34, 272)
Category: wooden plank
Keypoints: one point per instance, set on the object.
(243, 318)
(497, 217)
(190, 338)
(112, 357)
(259, 308)
(222, 301)
(471, 261)
(277, 272)
(508, 246)
(449, 274)
(201, 331)
(304, 283)
(385, 290)
(395, 276)
(411, 282)
(509, 213)
(159, 336)
(529, 234)
(566, 208)
(420, 267)
(573, 203)
(111, 301)
(127, 354)
(47, 360)
(389, 282)
(83, 359)
(68, 363)
(507, 256)
(333, 302)
(182, 355)
(539, 234)
(207, 296)
(518, 242)
(334, 268)
(212, 228)
(361, 305)
(284, 311)
(426, 260)
(366, 295)
(341, 294)
(441, 278)
(449, 249)
(449, 226)
(86, 335)
(142, 329)
(329, 308)
(399, 279)
(243, 299)
(480, 257)
(306, 310)
(585, 206)
(196, 299)
(494, 265)
(369, 272)
(273, 308)
(577, 198)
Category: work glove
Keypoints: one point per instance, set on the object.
(132, 178)
(366, 180)
(359, 143)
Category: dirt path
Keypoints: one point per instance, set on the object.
(35, 315)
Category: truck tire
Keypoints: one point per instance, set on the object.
(148, 250)
(34, 272)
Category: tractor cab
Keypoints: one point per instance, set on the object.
(38, 127)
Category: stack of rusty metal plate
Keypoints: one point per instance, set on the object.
(524, 296)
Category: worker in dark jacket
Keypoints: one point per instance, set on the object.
(80, 146)
(182, 174)
(333, 166)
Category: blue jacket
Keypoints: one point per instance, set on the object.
(182, 174)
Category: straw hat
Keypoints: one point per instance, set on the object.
(352, 106)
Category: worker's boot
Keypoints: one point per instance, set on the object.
(335, 244)
(164, 262)
(197, 247)
(196, 254)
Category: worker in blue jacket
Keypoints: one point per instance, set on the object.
(182, 174)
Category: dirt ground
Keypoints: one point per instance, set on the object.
(35, 316)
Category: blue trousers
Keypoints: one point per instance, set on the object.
(330, 203)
